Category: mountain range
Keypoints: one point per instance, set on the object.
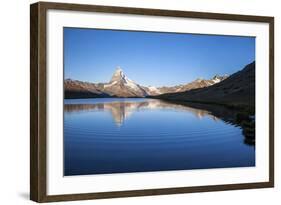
(238, 90)
(121, 86)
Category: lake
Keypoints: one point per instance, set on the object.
(122, 135)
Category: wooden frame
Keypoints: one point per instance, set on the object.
(38, 101)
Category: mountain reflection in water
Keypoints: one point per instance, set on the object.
(121, 111)
(123, 135)
(122, 108)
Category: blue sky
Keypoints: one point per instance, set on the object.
(152, 58)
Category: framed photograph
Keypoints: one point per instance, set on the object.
(135, 102)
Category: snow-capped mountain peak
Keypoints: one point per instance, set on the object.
(218, 78)
(153, 90)
(121, 85)
(118, 75)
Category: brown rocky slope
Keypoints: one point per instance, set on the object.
(121, 86)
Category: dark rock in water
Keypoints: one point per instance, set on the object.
(240, 117)
(249, 141)
(248, 129)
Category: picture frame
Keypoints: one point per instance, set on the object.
(39, 107)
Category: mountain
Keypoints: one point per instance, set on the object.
(236, 90)
(79, 89)
(198, 83)
(121, 86)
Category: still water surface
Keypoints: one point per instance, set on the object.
(112, 135)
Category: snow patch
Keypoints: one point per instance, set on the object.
(179, 89)
(131, 84)
(216, 80)
(154, 89)
(110, 84)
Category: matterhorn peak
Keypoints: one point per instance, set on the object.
(118, 70)
(121, 85)
(118, 74)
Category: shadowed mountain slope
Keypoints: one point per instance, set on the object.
(237, 90)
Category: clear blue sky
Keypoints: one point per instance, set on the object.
(152, 58)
